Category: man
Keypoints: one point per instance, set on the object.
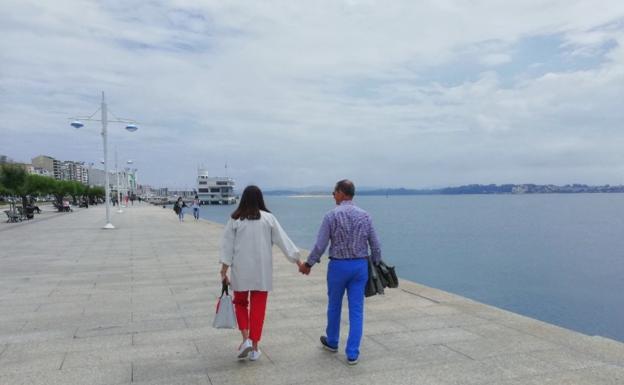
(351, 232)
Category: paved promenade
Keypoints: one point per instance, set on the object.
(80, 305)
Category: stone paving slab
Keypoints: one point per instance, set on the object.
(81, 305)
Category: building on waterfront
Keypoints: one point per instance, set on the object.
(5, 159)
(75, 171)
(48, 163)
(185, 194)
(146, 191)
(127, 181)
(214, 190)
(40, 171)
(29, 168)
(130, 180)
(97, 177)
(61, 170)
(37, 170)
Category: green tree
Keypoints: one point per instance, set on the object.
(62, 188)
(96, 192)
(38, 185)
(12, 178)
(77, 190)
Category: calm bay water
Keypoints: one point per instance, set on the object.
(557, 258)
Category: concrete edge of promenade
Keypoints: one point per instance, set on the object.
(135, 305)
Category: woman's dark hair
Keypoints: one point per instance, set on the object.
(250, 204)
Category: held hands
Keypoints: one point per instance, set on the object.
(304, 268)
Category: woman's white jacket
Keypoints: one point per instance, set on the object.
(247, 248)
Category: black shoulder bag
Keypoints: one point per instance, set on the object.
(388, 275)
(374, 285)
(380, 276)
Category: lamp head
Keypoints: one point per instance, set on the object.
(132, 127)
(77, 124)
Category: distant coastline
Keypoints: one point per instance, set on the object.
(319, 195)
(467, 190)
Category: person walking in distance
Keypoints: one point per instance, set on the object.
(195, 207)
(246, 250)
(178, 207)
(351, 232)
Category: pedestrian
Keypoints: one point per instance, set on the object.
(66, 205)
(178, 207)
(195, 207)
(246, 247)
(351, 232)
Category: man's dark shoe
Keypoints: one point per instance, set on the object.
(326, 346)
(352, 361)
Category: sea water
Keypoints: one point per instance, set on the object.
(557, 258)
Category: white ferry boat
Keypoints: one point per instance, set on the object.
(215, 190)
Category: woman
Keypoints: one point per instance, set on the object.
(248, 239)
(178, 207)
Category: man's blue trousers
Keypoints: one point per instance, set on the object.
(350, 275)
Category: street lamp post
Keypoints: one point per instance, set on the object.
(130, 126)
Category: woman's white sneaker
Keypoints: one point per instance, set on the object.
(255, 355)
(245, 349)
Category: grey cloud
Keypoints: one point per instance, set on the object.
(303, 95)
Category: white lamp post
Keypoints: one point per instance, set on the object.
(130, 126)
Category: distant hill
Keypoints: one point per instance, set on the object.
(472, 189)
(281, 192)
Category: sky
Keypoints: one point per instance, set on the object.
(403, 93)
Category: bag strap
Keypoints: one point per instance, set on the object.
(224, 288)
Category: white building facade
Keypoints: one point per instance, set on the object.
(216, 190)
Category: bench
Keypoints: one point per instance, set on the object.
(12, 216)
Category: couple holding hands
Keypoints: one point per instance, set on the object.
(246, 252)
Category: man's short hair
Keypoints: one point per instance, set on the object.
(346, 187)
